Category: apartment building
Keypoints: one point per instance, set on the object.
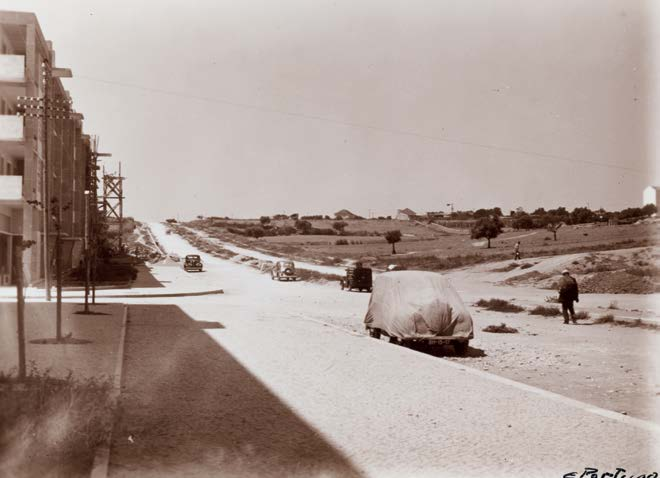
(37, 155)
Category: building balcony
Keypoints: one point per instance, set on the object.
(11, 190)
(11, 128)
(12, 69)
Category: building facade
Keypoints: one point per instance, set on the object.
(651, 195)
(42, 161)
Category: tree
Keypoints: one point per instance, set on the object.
(339, 226)
(255, 231)
(523, 221)
(581, 215)
(649, 209)
(264, 220)
(553, 224)
(294, 216)
(171, 221)
(392, 237)
(20, 304)
(304, 227)
(488, 227)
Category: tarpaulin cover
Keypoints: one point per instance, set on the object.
(416, 304)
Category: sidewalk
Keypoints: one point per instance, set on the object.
(95, 358)
(157, 281)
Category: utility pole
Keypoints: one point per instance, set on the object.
(87, 258)
(46, 74)
(99, 210)
(48, 109)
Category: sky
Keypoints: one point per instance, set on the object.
(244, 108)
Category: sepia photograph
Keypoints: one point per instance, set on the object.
(329, 238)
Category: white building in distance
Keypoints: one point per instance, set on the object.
(651, 195)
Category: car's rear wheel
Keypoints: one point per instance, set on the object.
(375, 333)
(461, 347)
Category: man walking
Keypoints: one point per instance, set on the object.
(568, 292)
(516, 251)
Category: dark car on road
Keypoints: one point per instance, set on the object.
(193, 262)
(284, 270)
(357, 277)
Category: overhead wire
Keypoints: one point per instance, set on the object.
(533, 154)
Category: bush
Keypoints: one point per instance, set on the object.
(582, 315)
(255, 231)
(499, 305)
(604, 319)
(545, 311)
(51, 426)
(500, 329)
(322, 232)
(341, 242)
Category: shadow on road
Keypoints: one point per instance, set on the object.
(188, 408)
(145, 279)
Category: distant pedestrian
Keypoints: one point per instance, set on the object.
(568, 293)
(516, 251)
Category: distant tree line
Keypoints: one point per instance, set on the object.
(541, 218)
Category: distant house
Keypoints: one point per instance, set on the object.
(651, 195)
(405, 215)
(345, 214)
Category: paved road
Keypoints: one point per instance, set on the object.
(252, 383)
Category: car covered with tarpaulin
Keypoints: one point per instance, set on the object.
(417, 307)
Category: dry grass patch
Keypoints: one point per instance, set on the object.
(545, 311)
(51, 426)
(498, 305)
(500, 329)
(506, 268)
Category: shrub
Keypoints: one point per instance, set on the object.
(545, 311)
(582, 315)
(506, 268)
(51, 426)
(604, 319)
(499, 305)
(526, 265)
(255, 231)
(500, 329)
(341, 242)
(322, 231)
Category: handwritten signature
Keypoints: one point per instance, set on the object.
(619, 473)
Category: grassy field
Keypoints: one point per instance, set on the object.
(425, 248)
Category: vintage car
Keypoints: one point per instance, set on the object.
(283, 270)
(357, 277)
(192, 262)
(418, 309)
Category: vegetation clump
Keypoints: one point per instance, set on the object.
(500, 329)
(545, 311)
(51, 426)
(499, 305)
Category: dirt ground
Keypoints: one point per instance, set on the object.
(422, 240)
(279, 379)
(607, 365)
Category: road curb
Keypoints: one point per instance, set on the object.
(102, 456)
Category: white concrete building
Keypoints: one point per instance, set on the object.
(651, 195)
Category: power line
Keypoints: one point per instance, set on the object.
(363, 126)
